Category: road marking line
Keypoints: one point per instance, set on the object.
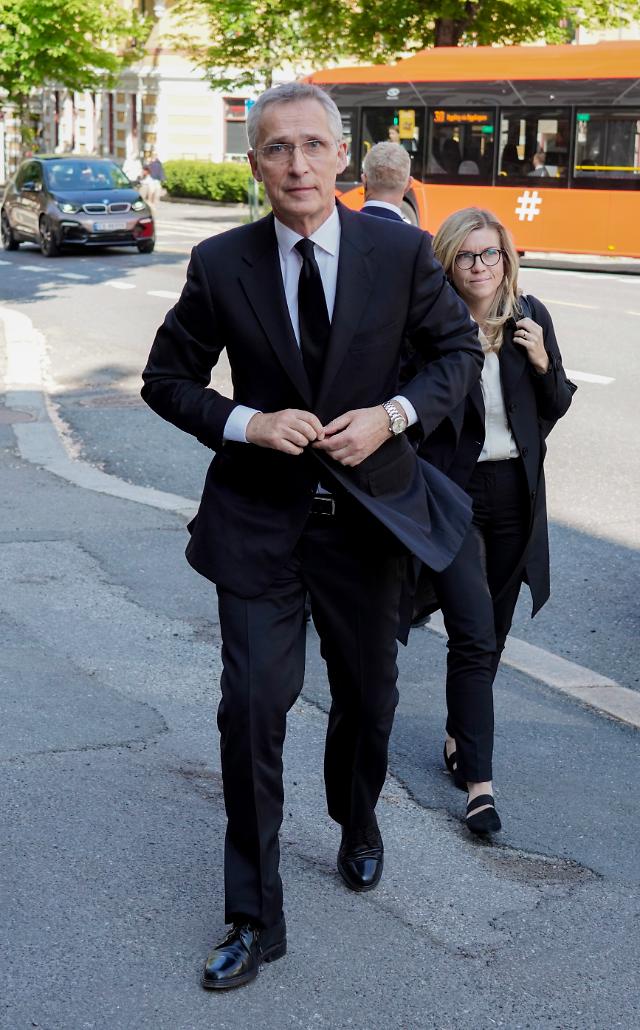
(595, 690)
(589, 377)
(25, 379)
(6, 262)
(611, 277)
(633, 313)
(117, 284)
(73, 275)
(169, 294)
(570, 304)
(33, 268)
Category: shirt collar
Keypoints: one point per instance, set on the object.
(326, 236)
(383, 203)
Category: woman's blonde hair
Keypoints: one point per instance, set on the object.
(447, 242)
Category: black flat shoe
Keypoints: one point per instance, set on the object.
(487, 821)
(361, 857)
(236, 961)
(451, 762)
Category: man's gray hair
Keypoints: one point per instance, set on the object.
(285, 94)
(387, 166)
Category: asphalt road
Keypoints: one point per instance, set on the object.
(112, 812)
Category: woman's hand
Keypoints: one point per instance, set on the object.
(530, 336)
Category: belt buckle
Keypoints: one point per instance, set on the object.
(324, 504)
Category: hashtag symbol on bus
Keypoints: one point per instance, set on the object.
(528, 205)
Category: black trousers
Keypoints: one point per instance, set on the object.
(353, 572)
(500, 531)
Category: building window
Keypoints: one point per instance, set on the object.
(235, 117)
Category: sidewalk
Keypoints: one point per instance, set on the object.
(112, 821)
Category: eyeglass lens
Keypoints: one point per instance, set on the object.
(489, 257)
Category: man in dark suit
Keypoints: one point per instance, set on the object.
(314, 486)
(386, 177)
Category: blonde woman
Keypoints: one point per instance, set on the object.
(493, 445)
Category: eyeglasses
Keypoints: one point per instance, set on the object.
(313, 150)
(490, 256)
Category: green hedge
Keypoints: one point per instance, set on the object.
(207, 181)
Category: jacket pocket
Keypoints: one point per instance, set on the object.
(394, 477)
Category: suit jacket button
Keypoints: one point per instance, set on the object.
(533, 495)
(524, 451)
(512, 406)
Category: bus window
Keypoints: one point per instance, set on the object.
(398, 125)
(349, 116)
(534, 144)
(608, 148)
(460, 146)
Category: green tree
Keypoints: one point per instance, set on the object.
(75, 44)
(248, 41)
(381, 30)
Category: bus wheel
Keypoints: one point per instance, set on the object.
(409, 212)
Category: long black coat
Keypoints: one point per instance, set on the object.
(533, 404)
(256, 501)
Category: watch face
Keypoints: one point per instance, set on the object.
(397, 426)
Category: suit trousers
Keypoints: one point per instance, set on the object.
(353, 572)
(484, 572)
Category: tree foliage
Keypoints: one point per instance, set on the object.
(76, 44)
(250, 39)
(247, 41)
(381, 30)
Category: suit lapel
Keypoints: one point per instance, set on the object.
(264, 289)
(354, 284)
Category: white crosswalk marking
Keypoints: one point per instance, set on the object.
(569, 303)
(168, 294)
(589, 377)
(117, 284)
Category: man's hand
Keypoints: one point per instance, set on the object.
(352, 437)
(289, 431)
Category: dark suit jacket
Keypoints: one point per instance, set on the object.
(534, 403)
(382, 212)
(256, 500)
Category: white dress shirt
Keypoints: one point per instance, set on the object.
(384, 203)
(499, 444)
(327, 252)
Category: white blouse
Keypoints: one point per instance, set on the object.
(499, 444)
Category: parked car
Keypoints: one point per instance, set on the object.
(74, 201)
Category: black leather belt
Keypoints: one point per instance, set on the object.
(323, 504)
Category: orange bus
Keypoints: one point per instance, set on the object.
(546, 137)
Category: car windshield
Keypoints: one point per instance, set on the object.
(85, 175)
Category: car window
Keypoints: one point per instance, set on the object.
(80, 174)
(21, 177)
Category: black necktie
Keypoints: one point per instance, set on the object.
(313, 316)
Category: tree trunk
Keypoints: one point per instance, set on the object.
(448, 31)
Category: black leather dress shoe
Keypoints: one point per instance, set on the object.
(237, 959)
(361, 857)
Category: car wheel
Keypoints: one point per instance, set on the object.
(146, 247)
(9, 242)
(48, 242)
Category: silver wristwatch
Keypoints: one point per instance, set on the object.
(397, 421)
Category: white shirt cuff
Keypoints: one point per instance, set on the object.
(236, 425)
(408, 407)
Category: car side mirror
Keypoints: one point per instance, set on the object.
(32, 187)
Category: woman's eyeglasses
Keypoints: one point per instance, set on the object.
(489, 257)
